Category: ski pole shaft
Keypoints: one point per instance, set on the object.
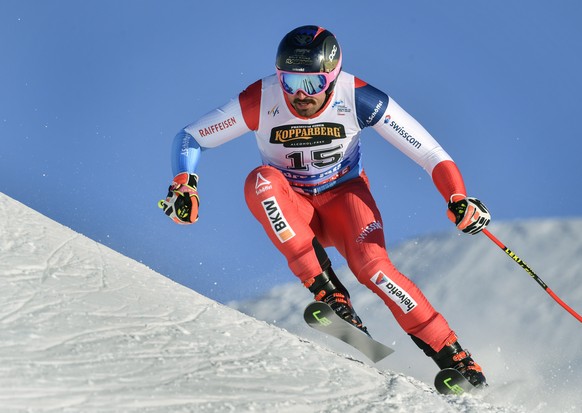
(532, 274)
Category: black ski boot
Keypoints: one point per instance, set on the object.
(453, 356)
(327, 287)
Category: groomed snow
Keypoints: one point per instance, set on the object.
(85, 329)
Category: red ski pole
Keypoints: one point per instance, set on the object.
(532, 274)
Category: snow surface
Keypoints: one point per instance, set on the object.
(530, 348)
(85, 329)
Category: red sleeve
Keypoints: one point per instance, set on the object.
(250, 103)
(448, 180)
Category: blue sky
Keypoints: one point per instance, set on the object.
(92, 93)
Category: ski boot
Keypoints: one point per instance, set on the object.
(327, 287)
(453, 356)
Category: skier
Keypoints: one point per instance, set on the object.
(311, 191)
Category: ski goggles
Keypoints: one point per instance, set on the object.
(309, 83)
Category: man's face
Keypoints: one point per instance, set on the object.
(304, 104)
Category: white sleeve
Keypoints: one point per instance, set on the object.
(405, 133)
(219, 126)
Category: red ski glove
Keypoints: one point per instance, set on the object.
(182, 202)
(469, 214)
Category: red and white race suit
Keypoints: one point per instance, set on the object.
(312, 185)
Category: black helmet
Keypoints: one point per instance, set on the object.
(309, 49)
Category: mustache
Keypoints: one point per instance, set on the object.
(306, 100)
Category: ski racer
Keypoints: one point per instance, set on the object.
(311, 191)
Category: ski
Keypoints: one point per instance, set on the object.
(451, 381)
(321, 317)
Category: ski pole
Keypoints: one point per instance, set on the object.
(532, 274)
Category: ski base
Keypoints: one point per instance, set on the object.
(451, 381)
(321, 317)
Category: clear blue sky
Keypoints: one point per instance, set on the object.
(92, 93)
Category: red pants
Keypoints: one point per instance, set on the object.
(347, 218)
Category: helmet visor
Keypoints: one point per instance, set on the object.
(309, 83)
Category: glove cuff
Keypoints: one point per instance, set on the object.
(457, 210)
(185, 178)
(456, 198)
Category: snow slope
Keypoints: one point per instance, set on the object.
(85, 329)
(530, 348)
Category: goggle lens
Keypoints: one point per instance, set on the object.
(310, 84)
